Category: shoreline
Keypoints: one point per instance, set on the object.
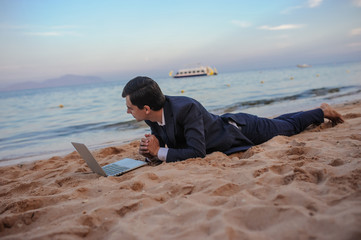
(307, 185)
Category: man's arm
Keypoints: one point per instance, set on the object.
(194, 134)
(192, 144)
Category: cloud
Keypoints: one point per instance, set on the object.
(44, 31)
(12, 27)
(9, 26)
(355, 44)
(53, 34)
(356, 32)
(9, 67)
(241, 23)
(45, 34)
(281, 27)
(290, 9)
(357, 3)
(279, 37)
(310, 4)
(64, 27)
(314, 3)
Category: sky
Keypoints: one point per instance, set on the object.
(43, 39)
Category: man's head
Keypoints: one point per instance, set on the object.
(143, 93)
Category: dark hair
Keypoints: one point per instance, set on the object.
(144, 91)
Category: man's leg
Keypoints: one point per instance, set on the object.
(289, 124)
(286, 125)
(328, 112)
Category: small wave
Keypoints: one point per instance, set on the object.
(344, 94)
(132, 124)
(310, 93)
(32, 137)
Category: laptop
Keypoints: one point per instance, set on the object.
(114, 169)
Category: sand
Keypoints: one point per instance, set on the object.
(306, 186)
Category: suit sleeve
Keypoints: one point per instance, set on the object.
(191, 122)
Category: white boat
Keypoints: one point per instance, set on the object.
(194, 72)
(303, 65)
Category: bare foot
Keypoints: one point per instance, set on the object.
(331, 114)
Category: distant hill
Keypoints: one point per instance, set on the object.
(66, 80)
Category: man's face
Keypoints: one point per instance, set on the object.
(138, 114)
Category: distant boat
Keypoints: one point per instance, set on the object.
(303, 65)
(194, 72)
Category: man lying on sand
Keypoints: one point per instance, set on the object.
(182, 128)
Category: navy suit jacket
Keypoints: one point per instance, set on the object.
(191, 131)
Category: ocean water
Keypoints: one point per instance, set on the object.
(33, 126)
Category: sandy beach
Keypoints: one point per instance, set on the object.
(306, 186)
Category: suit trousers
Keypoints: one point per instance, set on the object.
(260, 130)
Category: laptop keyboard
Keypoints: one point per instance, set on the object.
(113, 169)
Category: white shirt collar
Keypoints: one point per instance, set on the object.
(163, 119)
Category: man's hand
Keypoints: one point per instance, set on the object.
(149, 146)
(153, 144)
(143, 147)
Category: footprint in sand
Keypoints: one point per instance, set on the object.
(227, 190)
(288, 179)
(259, 172)
(91, 220)
(281, 169)
(137, 186)
(176, 190)
(356, 137)
(262, 218)
(67, 181)
(315, 176)
(152, 176)
(336, 162)
(351, 115)
(351, 180)
(23, 205)
(295, 199)
(26, 218)
(128, 208)
(296, 151)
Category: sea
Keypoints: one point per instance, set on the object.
(40, 123)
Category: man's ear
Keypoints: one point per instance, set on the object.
(147, 109)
